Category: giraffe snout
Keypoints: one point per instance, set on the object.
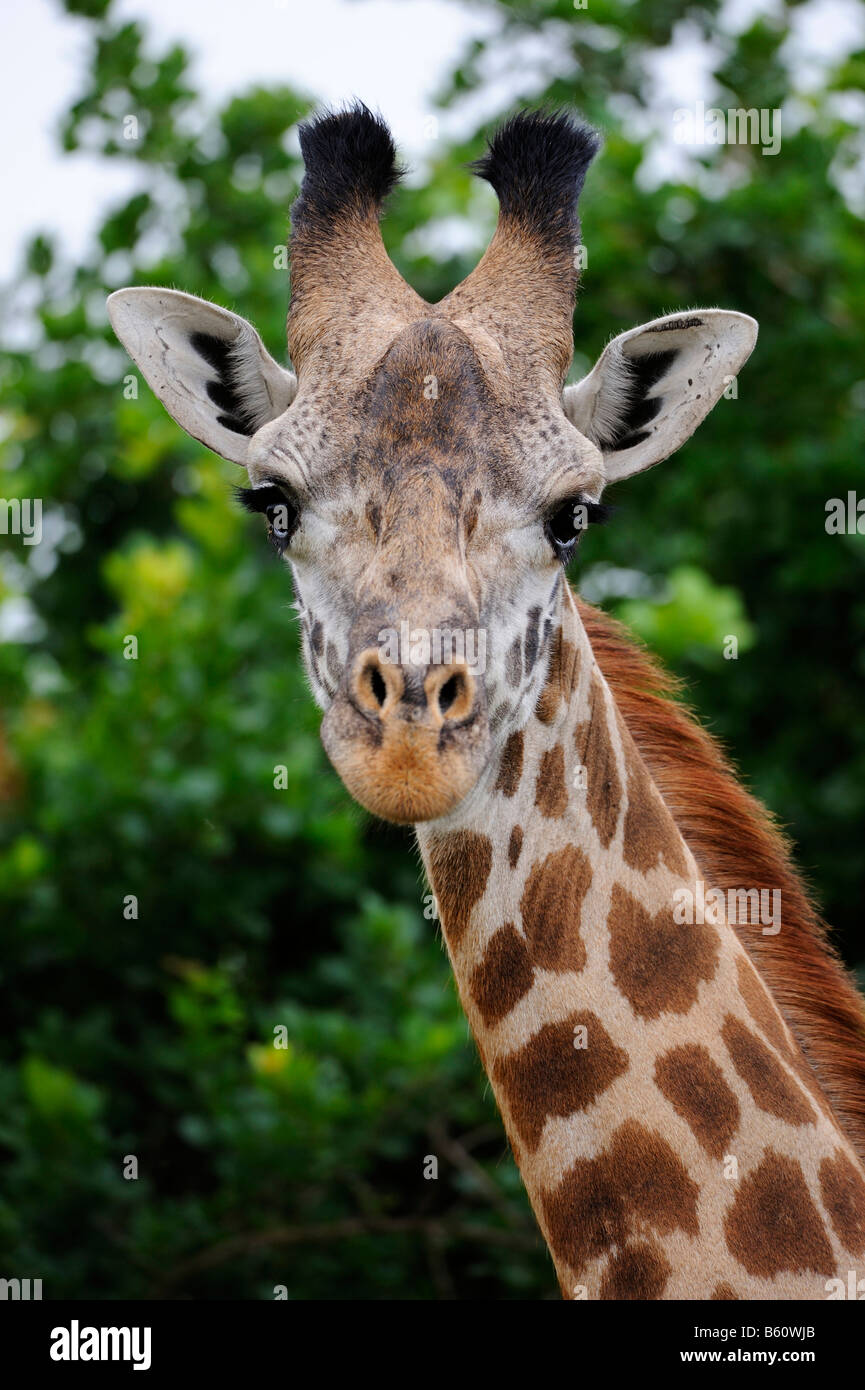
(408, 739)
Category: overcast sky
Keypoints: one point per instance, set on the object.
(391, 53)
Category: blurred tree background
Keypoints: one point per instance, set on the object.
(151, 1036)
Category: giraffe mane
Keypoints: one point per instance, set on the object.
(737, 843)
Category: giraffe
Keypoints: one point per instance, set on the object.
(683, 1086)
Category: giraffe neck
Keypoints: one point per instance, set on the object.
(671, 1136)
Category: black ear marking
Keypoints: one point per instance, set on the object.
(223, 391)
(215, 351)
(644, 373)
(221, 395)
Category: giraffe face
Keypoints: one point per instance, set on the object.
(426, 524)
(425, 474)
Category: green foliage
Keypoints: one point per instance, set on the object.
(147, 1028)
(692, 621)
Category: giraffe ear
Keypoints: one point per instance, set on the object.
(208, 366)
(651, 387)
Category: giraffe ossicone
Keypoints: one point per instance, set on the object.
(685, 1100)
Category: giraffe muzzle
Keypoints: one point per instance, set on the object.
(408, 741)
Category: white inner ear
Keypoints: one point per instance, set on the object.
(651, 387)
(208, 366)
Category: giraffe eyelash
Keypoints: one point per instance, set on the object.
(258, 499)
(282, 514)
(600, 513)
(597, 513)
(566, 521)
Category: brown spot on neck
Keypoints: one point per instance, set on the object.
(504, 975)
(773, 1226)
(460, 865)
(768, 1020)
(636, 1272)
(760, 1007)
(773, 1090)
(515, 844)
(562, 675)
(551, 908)
(650, 834)
(843, 1193)
(638, 1182)
(552, 1076)
(657, 964)
(551, 794)
(595, 752)
(695, 1087)
(511, 765)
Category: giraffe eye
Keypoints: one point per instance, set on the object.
(279, 521)
(566, 524)
(281, 513)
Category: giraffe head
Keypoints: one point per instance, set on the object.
(426, 474)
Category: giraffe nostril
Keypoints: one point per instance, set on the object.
(376, 689)
(449, 693)
(377, 686)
